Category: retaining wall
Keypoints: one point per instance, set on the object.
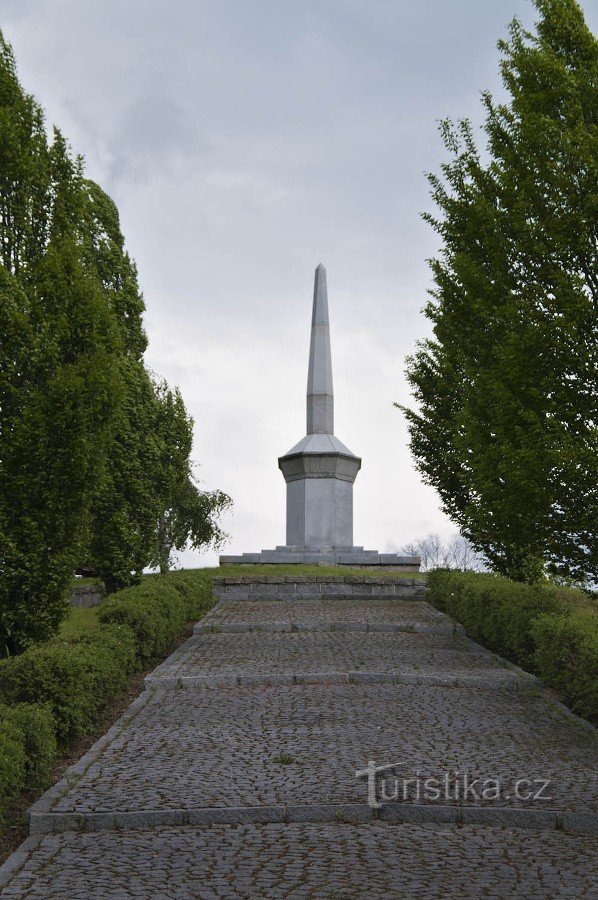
(317, 587)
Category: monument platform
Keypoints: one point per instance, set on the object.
(319, 472)
(325, 556)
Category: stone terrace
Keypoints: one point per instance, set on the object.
(233, 775)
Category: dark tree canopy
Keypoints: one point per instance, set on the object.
(506, 425)
(93, 451)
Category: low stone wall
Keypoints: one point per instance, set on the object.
(87, 594)
(316, 587)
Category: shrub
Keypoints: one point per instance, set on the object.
(494, 610)
(53, 692)
(13, 761)
(153, 610)
(195, 587)
(75, 678)
(27, 749)
(537, 626)
(566, 656)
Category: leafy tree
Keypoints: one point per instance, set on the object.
(147, 505)
(125, 506)
(187, 515)
(25, 172)
(57, 388)
(506, 429)
(94, 455)
(106, 254)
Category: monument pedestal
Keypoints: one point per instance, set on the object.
(319, 472)
(326, 556)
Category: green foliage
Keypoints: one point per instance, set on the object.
(536, 626)
(566, 656)
(95, 452)
(506, 429)
(53, 694)
(36, 724)
(191, 518)
(13, 762)
(75, 678)
(147, 504)
(105, 247)
(126, 506)
(58, 389)
(155, 612)
(195, 588)
(494, 610)
(27, 749)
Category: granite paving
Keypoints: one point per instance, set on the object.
(220, 747)
(220, 783)
(301, 652)
(338, 614)
(309, 861)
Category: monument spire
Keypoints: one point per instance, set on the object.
(320, 397)
(319, 472)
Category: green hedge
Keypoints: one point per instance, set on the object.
(154, 611)
(195, 587)
(27, 749)
(566, 656)
(74, 677)
(529, 624)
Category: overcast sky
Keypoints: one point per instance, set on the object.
(245, 141)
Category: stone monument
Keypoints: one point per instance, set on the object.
(319, 472)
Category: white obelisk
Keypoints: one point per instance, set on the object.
(320, 470)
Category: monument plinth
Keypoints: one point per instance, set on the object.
(320, 471)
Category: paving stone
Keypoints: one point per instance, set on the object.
(302, 652)
(310, 860)
(247, 787)
(301, 744)
(374, 614)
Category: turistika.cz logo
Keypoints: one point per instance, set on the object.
(386, 784)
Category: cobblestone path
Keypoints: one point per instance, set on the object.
(234, 773)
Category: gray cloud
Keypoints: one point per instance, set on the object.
(154, 132)
(244, 142)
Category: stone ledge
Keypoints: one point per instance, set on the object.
(393, 813)
(507, 679)
(339, 556)
(317, 587)
(316, 579)
(87, 595)
(374, 627)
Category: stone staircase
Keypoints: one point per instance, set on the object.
(234, 774)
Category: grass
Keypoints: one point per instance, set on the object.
(578, 599)
(80, 618)
(283, 759)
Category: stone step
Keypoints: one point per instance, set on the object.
(277, 627)
(481, 678)
(284, 752)
(336, 860)
(317, 588)
(336, 614)
(353, 813)
(334, 656)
